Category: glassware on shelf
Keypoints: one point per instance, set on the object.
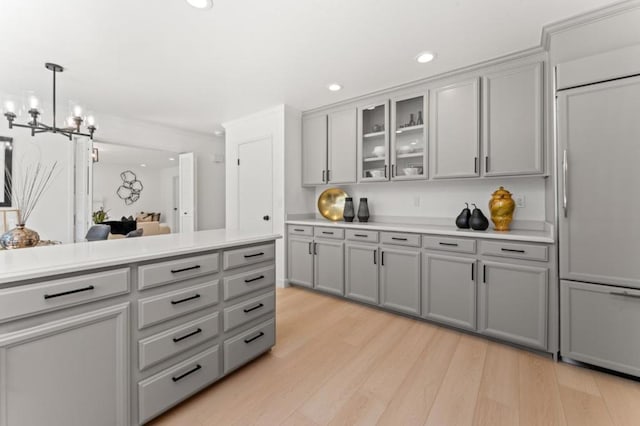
(412, 120)
(420, 120)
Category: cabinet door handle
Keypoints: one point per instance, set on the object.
(398, 239)
(256, 337)
(323, 173)
(385, 170)
(250, 280)
(310, 248)
(375, 255)
(258, 306)
(328, 175)
(327, 233)
(484, 273)
(298, 230)
(66, 293)
(565, 172)
(182, 376)
(448, 244)
(473, 278)
(247, 256)
(177, 302)
(512, 250)
(625, 294)
(486, 163)
(393, 170)
(475, 164)
(186, 336)
(315, 248)
(190, 268)
(381, 258)
(360, 235)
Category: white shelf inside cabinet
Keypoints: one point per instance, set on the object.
(371, 159)
(373, 135)
(410, 155)
(409, 129)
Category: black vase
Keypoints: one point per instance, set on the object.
(349, 213)
(363, 210)
(478, 221)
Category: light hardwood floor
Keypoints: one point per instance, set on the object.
(340, 363)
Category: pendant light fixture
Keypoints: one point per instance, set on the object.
(74, 122)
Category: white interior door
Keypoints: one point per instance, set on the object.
(187, 197)
(83, 191)
(255, 186)
(175, 204)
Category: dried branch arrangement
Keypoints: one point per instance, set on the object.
(29, 186)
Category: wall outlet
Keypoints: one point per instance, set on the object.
(416, 201)
(520, 201)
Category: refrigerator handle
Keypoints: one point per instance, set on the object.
(565, 169)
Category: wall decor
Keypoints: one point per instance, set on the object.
(131, 187)
(6, 162)
(331, 204)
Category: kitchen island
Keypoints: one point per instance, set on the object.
(117, 332)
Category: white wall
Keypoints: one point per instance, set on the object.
(445, 199)
(155, 197)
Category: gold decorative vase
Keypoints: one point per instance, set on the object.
(501, 207)
(19, 237)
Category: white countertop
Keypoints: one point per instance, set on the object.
(37, 262)
(543, 236)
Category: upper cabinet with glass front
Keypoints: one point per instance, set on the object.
(409, 138)
(373, 143)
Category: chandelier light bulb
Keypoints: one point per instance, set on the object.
(91, 120)
(70, 122)
(10, 106)
(77, 111)
(33, 102)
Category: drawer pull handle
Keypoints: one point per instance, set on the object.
(250, 280)
(190, 268)
(625, 294)
(448, 244)
(182, 376)
(327, 233)
(176, 302)
(398, 239)
(258, 306)
(247, 256)
(360, 235)
(186, 336)
(256, 337)
(512, 250)
(66, 293)
(298, 230)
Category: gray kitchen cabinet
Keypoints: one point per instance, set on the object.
(342, 144)
(314, 150)
(400, 279)
(373, 142)
(300, 261)
(454, 130)
(449, 290)
(362, 276)
(513, 303)
(409, 137)
(513, 132)
(329, 266)
(599, 325)
(73, 371)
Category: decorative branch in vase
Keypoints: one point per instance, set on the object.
(27, 189)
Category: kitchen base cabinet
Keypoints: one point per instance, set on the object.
(400, 279)
(513, 303)
(329, 266)
(600, 325)
(73, 371)
(300, 261)
(449, 290)
(362, 272)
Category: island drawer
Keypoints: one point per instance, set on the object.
(248, 310)
(165, 389)
(157, 274)
(33, 299)
(459, 245)
(301, 230)
(153, 310)
(324, 232)
(361, 235)
(168, 343)
(402, 239)
(248, 256)
(518, 251)
(244, 347)
(246, 282)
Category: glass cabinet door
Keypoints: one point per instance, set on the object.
(409, 138)
(373, 136)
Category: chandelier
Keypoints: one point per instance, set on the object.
(73, 122)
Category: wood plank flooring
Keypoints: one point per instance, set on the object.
(339, 363)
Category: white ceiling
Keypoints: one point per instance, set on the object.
(163, 61)
(129, 156)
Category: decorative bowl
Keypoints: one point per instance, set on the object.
(331, 204)
(411, 171)
(377, 173)
(379, 151)
(405, 149)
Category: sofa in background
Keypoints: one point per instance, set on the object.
(148, 228)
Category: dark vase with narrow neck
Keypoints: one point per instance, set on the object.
(363, 210)
(349, 212)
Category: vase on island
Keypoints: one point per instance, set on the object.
(19, 237)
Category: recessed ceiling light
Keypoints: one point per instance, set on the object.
(425, 57)
(201, 4)
(143, 165)
(172, 159)
(218, 132)
(334, 87)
